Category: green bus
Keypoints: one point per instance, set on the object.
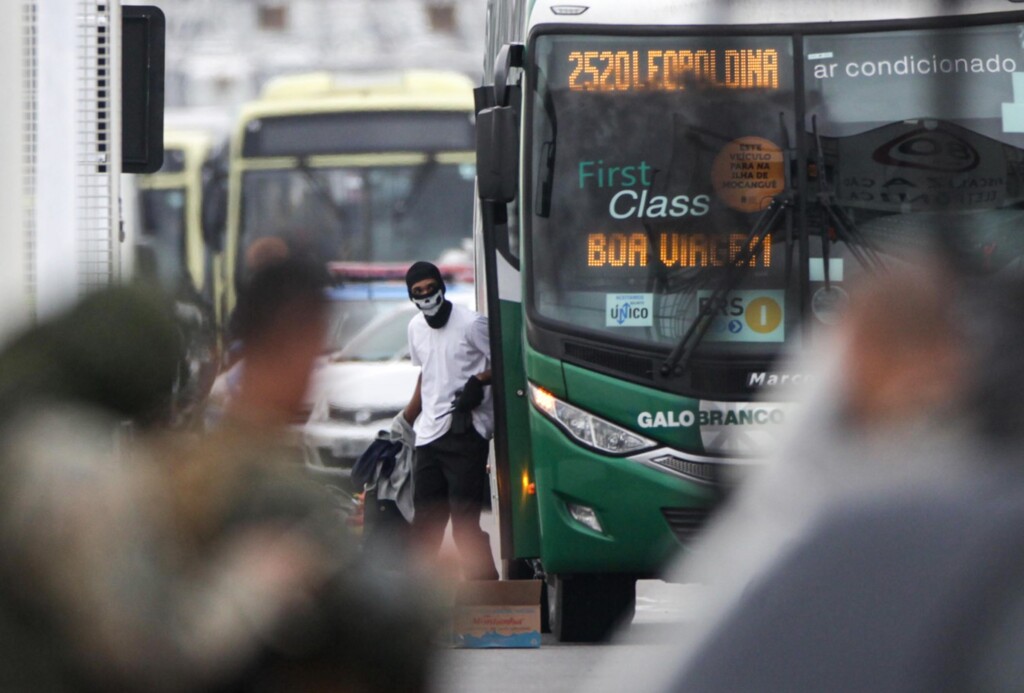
(674, 194)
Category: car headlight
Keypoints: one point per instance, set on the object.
(586, 428)
(361, 416)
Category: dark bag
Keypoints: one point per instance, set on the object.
(385, 532)
(382, 452)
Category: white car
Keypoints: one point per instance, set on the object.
(359, 390)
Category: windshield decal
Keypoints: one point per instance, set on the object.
(1013, 112)
(629, 310)
(836, 267)
(748, 173)
(628, 203)
(747, 316)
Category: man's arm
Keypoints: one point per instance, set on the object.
(415, 405)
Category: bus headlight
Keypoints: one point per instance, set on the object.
(586, 428)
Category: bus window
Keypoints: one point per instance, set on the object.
(160, 251)
(367, 214)
(935, 151)
(659, 165)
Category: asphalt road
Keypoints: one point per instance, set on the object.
(639, 657)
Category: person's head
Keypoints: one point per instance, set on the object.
(281, 319)
(118, 350)
(904, 352)
(426, 287)
(265, 252)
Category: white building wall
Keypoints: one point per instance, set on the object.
(15, 303)
(56, 194)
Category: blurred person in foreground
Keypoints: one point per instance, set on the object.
(919, 588)
(102, 586)
(882, 410)
(453, 418)
(80, 514)
(263, 253)
(144, 563)
(349, 627)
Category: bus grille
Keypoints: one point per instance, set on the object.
(612, 360)
(701, 471)
(685, 522)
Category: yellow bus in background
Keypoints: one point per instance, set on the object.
(169, 244)
(365, 172)
(172, 251)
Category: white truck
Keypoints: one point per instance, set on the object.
(63, 64)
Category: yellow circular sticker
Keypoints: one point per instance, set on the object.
(748, 173)
(763, 315)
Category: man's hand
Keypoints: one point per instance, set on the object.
(470, 396)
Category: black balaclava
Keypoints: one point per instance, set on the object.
(435, 307)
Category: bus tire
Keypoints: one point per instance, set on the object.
(588, 607)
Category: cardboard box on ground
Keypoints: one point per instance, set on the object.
(497, 613)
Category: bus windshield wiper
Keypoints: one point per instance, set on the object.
(318, 186)
(843, 226)
(680, 357)
(403, 205)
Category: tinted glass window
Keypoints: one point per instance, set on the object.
(919, 133)
(160, 248)
(369, 214)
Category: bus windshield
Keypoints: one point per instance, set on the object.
(919, 133)
(365, 213)
(160, 249)
(652, 160)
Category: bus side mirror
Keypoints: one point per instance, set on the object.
(497, 154)
(214, 205)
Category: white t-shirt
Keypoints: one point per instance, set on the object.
(447, 357)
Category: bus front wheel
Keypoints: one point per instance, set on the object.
(588, 607)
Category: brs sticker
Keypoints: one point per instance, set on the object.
(746, 316)
(629, 310)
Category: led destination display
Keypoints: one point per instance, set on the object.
(673, 70)
(674, 250)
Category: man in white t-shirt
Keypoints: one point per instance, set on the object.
(453, 416)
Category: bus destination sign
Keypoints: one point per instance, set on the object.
(652, 69)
